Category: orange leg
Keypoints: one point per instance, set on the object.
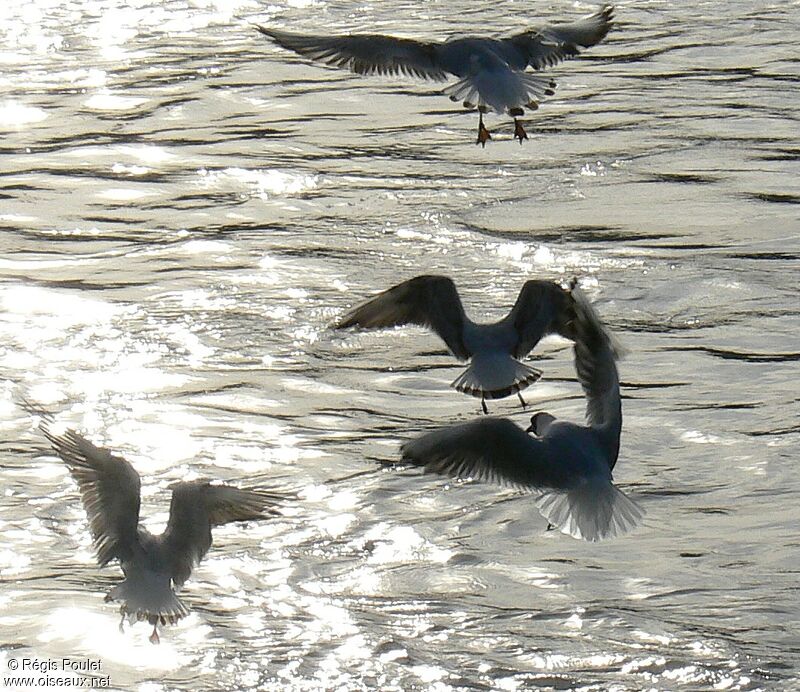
(483, 133)
(519, 131)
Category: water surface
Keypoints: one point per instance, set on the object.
(184, 211)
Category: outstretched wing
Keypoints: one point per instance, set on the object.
(487, 449)
(428, 301)
(364, 53)
(195, 508)
(552, 43)
(542, 308)
(596, 351)
(109, 488)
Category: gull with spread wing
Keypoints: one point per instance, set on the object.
(491, 72)
(567, 466)
(152, 565)
(493, 349)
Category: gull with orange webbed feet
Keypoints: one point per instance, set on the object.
(492, 73)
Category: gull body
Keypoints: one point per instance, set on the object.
(567, 466)
(153, 565)
(491, 72)
(493, 349)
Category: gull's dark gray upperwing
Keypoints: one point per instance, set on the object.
(196, 507)
(488, 449)
(364, 53)
(109, 488)
(596, 352)
(550, 44)
(428, 301)
(541, 308)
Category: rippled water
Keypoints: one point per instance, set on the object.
(184, 210)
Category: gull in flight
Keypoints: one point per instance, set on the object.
(491, 72)
(493, 349)
(567, 466)
(152, 565)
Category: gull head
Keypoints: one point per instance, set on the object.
(540, 422)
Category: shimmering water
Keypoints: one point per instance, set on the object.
(185, 209)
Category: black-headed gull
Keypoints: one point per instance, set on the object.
(567, 466)
(494, 372)
(492, 72)
(152, 565)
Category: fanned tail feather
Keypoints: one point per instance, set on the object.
(154, 602)
(537, 86)
(463, 90)
(592, 511)
(492, 379)
(525, 91)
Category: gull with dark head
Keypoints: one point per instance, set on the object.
(491, 72)
(153, 565)
(493, 349)
(567, 466)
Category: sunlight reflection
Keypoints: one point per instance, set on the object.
(260, 183)
(702, 438)
(59, 328)
(122, 169)
(12, 563)
(329, 620)
(336, 525)
(127, 379)
(93, 632)
(146, 153)
(85, 78)
(403, 544)
(430, 674)
(121, 194)
(648, 663)
(107, 101)
(14, 114)
(393, 655)
(310, 386)
(513, 251)
(62, 310)
(113, 30)
(160, 445)
(661, 639)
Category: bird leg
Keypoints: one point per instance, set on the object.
(522, 401)
(483, 133)
(483, 405)
(154, 638)
(519, 131)
(122, 621)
